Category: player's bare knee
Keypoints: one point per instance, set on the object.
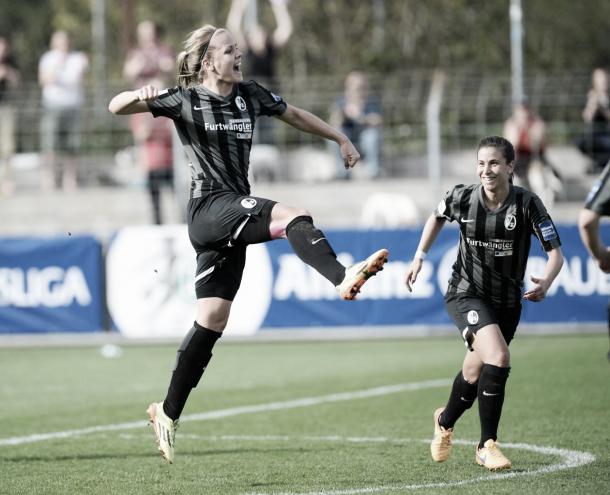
(471, 374)
(500, 358)
(297, 212)
(213, 319)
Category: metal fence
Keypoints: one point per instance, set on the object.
(473, 105)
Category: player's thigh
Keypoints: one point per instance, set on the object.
(217, 220)
(470, 313)
(490, 346)
(281, 216)
(219, 272)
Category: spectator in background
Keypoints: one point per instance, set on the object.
(61, 73)
(527, 133)
(260, 50)
(597, 205)
(153, 138)
(9, 78)
(152, 62)
(259, 47)
(359, 116)
(150, 59)
(595, 143)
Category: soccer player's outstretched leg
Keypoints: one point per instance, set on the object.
(214, 112)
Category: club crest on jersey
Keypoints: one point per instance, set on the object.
(472, 317)
(241, 103)
(248, 203)
(510, 222)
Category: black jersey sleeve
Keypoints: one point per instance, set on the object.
(448, 205)
(542, 224)
(598, 199)
(168, 103)
(269, 104)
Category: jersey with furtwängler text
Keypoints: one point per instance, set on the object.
(494, 245)
(216, 131)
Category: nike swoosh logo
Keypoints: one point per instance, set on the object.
(486, 394)
(464, 400)
(466, 220)
(318, 240)
(200, 108)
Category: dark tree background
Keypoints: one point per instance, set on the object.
(333, 36)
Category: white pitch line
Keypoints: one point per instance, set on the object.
(569, 459)
(235, 411)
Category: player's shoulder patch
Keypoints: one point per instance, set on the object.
(164, 93)
(547, 230)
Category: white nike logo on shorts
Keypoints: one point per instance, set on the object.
(318, 240)
(487, 394)
(466, 220)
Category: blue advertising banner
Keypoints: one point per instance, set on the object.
(151, 293)
(301, 297)
(50, 284)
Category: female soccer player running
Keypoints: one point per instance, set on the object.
(496, 221)
(214, 113)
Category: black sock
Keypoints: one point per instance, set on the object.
(311, 246)
(491, 397)
(463, 395)
(193, 356)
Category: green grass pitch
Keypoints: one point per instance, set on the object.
(346, 417)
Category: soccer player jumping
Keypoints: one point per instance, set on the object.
(496, 221)
(214, 112)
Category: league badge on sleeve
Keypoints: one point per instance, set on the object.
(547, 229)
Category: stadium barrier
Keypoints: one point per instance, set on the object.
(51, 284)
(55, 284)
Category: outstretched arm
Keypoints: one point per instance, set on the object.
(432, 227)
(129, 102)
(551, 270)
(308, 122)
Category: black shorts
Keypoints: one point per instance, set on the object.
(470, 313)
(214, 224)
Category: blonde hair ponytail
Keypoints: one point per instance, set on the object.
(190, 61)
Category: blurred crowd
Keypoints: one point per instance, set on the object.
(357, 110)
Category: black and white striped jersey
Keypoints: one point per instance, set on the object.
(216, 131)
(598, 199)
(494, 245)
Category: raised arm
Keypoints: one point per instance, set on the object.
(235, 21)
(129, 102)
(429, 234)
(551, 270)
(284, 27)
(308, 122)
